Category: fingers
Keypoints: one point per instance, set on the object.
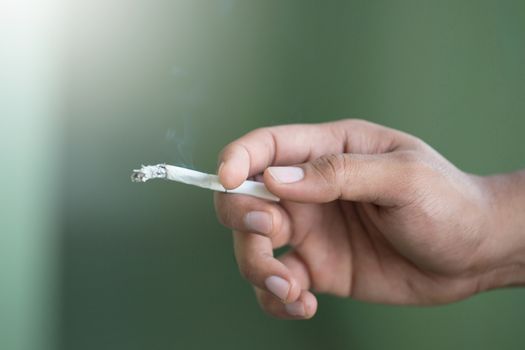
(249, 214)
(276, 295)
(252, 153)
(297, 268)
(304, 307)
(234, 168)
(293, 144)
(380, 178)
(256, 263)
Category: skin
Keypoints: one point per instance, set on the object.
(378, 216)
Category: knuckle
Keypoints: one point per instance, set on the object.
(330, 167)
(261, 133)
(356, 122)
(335, 170)
(261, 130)
(418, 144)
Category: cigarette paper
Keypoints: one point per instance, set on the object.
(196, 178)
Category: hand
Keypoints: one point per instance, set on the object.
(368, 212)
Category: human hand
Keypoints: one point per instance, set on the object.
(368, 212)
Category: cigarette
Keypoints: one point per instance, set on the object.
(196, 178)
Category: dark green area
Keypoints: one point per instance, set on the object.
(148, 266)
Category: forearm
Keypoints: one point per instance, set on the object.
(506, 217)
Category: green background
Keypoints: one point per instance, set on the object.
(130, 266)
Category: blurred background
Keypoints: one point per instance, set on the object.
(90, 89)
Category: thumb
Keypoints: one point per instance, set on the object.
(377, 178)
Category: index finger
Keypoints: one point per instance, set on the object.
(280, 145)
(293, 144)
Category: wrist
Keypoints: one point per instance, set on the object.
(505, 236)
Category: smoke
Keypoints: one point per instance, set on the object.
(180, 145)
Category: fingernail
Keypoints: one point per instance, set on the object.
(278, 286)
(286, 174)
(295, 309)
(259, 221)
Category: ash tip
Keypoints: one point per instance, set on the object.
(138, 176)
(148, 172)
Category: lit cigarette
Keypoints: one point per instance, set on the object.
(196, 178)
